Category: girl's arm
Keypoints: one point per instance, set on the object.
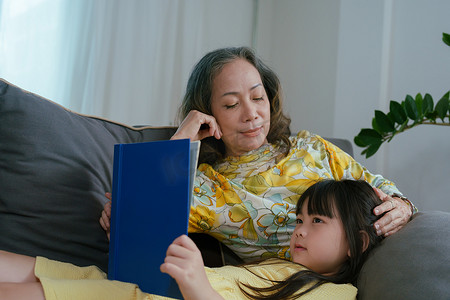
(185, 264)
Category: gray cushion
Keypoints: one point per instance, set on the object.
(55, 166)
(414, 263)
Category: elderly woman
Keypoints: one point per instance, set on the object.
(251, 170)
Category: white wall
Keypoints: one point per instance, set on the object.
(338, 61)
(341, 60)
(302, 48)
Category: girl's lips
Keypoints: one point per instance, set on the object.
(299, 248)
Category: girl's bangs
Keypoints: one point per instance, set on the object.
(318, 202)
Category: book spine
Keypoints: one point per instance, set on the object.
(116, 194)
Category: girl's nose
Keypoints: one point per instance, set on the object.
(301, 232)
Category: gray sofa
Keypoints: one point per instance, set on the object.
(55, 166)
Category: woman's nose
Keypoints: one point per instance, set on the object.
(249, 112)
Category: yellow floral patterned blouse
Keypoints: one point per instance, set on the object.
(249, 202)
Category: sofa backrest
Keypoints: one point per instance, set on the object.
(55, 166)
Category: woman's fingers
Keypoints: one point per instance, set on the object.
(106, 217)
(396, 214)
(104, 221)
(197, 126)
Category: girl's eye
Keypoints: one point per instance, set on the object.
(317, 220)
(230, 106)
(299, 221)
(258, 99)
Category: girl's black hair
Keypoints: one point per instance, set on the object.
(354, 202)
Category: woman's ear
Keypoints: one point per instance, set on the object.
(365, 240)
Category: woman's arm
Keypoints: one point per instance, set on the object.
(185, 264)
(396, 211)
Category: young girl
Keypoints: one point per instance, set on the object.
(333, 236)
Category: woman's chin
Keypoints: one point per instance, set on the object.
(246, 144)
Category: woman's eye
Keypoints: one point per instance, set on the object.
(230, 106)
(258, 99)
(317, 220)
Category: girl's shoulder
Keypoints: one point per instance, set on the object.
(277, 269)
(263, 273)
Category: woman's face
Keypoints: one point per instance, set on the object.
(319, 243)
(241, 108)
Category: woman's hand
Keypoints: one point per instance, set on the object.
(106, 216)
(398, 213)
(185, 264)
(191, 127)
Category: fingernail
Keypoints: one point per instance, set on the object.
(377, 211)
(377, 226)
(378, 232)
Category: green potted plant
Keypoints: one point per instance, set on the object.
(411, 112)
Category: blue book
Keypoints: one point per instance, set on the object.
(151, 195)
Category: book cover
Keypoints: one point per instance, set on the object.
(152, 188)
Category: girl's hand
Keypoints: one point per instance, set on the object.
(106, 216)
(398, 213)
(185, 264)
(191, 127)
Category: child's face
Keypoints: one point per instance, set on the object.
(319, 243)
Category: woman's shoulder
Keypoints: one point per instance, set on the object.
(304, 138)
(305, 135)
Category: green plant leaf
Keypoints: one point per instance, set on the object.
(446, 38)
(383, 122)
(419, 102)
(391, 118)
(411, 109)
(376, 127)
(366, 137)
(358, 142)
(397, 111)
(372, 149)
(442, 107)
(432, 116)
(428, 104)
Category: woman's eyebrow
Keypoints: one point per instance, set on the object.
(255, 86)
(236, 93)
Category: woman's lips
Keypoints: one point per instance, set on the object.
(252, 132)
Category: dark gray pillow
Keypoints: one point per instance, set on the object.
(55, 166)
(414, 263)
